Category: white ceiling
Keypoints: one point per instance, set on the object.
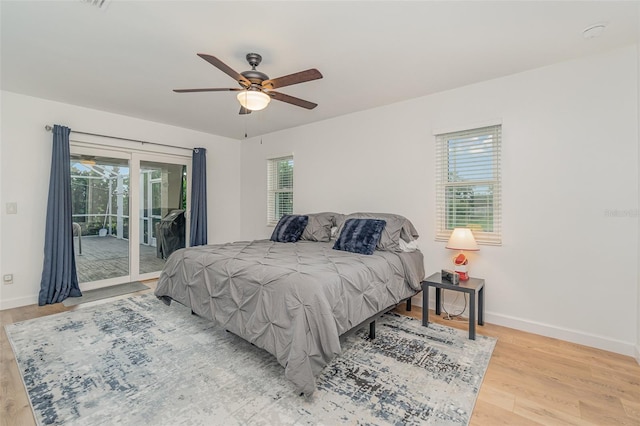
(127, 58)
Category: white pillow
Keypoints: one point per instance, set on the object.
(334, 232)
(408, 247)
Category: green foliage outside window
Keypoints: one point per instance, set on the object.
(468, 193)
(280, 188)
(90, 201)
(284, 200)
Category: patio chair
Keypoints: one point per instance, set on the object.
(77, 232)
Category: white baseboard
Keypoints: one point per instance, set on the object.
(548, 330)
(18, 302)
(569, 335)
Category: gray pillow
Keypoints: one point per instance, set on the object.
(397, 227)
(319, 226)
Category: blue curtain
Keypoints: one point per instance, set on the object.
(59, 276)
(199, 198)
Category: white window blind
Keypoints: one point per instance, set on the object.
(279, 188)
(468, 193)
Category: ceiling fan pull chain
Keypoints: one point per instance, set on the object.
(245, 125)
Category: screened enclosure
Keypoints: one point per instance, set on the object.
(101, 211)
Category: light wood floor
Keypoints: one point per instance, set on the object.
(531, 380)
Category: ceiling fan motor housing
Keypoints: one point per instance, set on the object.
(255, 76)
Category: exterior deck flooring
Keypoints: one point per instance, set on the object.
(108, 257)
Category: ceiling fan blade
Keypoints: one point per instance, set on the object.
(226, 69)
(288, 80)
(292, 100)
(244, 111)
(206, 90)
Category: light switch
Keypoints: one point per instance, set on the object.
(12, 208)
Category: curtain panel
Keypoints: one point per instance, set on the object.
(198, 234)
(59, 276)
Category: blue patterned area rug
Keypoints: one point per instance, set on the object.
(138, 362)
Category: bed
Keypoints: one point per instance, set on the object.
(295, 299)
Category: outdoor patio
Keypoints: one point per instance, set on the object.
(108, 257)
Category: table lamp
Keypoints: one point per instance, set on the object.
(462, 239)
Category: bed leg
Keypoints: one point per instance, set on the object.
(372, 330)
(408, 304)
(193, 313)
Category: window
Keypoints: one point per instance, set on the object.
(468, 183)
(279, 188)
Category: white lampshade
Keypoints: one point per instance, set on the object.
(253, 100)
(462, 239)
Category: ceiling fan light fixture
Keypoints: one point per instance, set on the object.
(253, 100)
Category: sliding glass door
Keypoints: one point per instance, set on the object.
(130, 213)
(162, 218)
(100, 211)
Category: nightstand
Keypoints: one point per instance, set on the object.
(472, 286)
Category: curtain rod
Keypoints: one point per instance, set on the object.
(49, 128)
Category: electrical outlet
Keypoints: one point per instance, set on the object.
(7, 278)
(12, 208)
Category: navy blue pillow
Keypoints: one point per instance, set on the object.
(289, 228)
(360, 235)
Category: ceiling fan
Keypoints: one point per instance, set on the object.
(256, 88)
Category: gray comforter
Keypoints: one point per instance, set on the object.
(292, 299)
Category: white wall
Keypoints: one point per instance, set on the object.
(570, 155)
(637, 351)
(26, 161)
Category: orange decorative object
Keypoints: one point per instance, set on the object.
(460, 259)
(460, 263)
(464, 276)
